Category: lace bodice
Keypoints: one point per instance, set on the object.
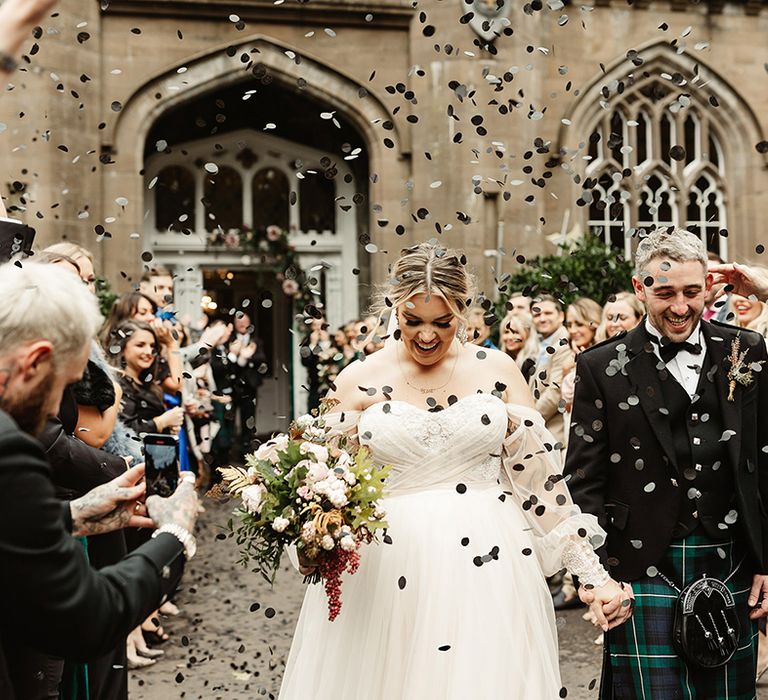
(481, 439)
(459, 444)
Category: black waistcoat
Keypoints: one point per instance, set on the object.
(705, 476)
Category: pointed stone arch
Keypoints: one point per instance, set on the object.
(731, 123)
(216, 68)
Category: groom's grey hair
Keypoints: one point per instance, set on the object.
(677, 244)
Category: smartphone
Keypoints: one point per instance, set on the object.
(15, 238)
(161, 460)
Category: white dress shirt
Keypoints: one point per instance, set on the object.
(685, 367)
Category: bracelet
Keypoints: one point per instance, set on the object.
(182, 535)
(7, 62)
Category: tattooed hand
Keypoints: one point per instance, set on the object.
(179, 509)
(111, 506)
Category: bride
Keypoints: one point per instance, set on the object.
(454, 603)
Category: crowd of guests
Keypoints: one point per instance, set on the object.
(147, 372)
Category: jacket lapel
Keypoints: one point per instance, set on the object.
(644, 376)
(719, 345)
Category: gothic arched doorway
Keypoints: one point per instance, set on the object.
(222, 169)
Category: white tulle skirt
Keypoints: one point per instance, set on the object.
(421, 619)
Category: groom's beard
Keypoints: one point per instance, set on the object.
(668, 330)
(29, 411)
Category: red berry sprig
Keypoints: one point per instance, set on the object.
(331, 568)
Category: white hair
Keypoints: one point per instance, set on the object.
(678, 245)
(46, 302)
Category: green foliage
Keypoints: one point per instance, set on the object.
(587, 268)
(105, 296)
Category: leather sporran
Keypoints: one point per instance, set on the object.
(706, 628)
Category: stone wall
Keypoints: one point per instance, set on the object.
(80, 155)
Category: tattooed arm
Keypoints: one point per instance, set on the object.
(111, 506)
(118, 504)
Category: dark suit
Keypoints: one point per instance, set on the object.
(51, 600)
(608, 436)
(633, 461)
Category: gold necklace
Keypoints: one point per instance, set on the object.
(423, 389)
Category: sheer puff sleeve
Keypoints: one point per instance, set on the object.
(532, 465)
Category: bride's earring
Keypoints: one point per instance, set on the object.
(461, 334)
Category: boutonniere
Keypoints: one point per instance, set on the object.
(739, 373)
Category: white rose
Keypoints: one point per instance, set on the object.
(318, 472)
(319, 452)
(253, 498)
(314, 433)
(347, 543)
(268, 451)
(338, 498)
(279, 524)
(327, 542)
(305, 421)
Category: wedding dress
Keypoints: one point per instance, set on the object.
(454, 604)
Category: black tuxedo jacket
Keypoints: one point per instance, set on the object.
(51, 600)
(619, 417)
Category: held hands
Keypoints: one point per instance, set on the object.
(759, 593)
(111, 506)
(611, 604)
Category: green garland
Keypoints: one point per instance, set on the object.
(272, 249)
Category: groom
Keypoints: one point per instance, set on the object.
(672, 456)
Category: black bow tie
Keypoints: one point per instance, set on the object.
(669, 350)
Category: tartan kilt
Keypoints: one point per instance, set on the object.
(643, 662)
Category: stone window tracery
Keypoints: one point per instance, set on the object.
(655, 159)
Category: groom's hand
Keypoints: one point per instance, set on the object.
(611, 604)
(759, 593)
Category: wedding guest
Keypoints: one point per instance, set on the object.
(52, 602)
(157, 284)
(678, 495)
(478, 331)
(554, 351)
(519, 304)
(582, 320)
(750, 313)
(519, 340)
(82, 257)
(247, 367)
(134, 353)
(622, 312)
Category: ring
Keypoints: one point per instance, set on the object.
(137, 507)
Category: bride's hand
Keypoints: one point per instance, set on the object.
(611, 604)
(306, 566)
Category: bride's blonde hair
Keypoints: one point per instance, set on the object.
(427, 268)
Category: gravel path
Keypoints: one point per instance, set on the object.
(233, 634)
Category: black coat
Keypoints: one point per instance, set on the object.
(610, 431)
(140, 405)
(50, 598)
(76, 467)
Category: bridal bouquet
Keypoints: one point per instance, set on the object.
(316, 491)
